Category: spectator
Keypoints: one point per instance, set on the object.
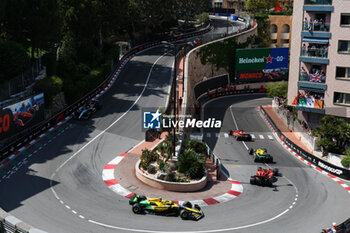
(304, 50)
(306, 24)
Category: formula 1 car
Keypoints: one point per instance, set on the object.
(261, 155)
(240, 135)
(264, 177)
(87, 110)
(141, 204)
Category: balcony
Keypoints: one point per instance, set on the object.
(312, 78)
(310, 101)
(318, 2)
(316, 30)
(313, 54)
(318, 5)
(273, 36)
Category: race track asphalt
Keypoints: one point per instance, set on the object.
(320, 201)
(58, 187)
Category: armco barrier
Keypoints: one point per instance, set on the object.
(324, 165)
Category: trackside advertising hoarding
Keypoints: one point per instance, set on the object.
(21, 115)
(262, 65)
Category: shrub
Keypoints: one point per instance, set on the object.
(197, 146)
(278, 89)
(192, 164)
(346, 161)
(147, 157)
(151, 169)
(170, 176)
(162, 166)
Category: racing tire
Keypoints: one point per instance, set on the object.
(275, 171)
(256, 159)
(251, 151)
(137, 209)
(252, 181)
(187, 204)
(184, 215)
(142, 197)
(197, 207)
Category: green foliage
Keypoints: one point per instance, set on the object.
(51, 86)
(192, 164)
(222, 54)
(151, 169)
(13, 60)
(50, 62)
(288, 12)
(333, 134)
(170, 176)
(263, 38)
(202, 18)
(346, 161)
(277, 89)
(147, 157)
(197, 146)
(260, 5)
(161, 165)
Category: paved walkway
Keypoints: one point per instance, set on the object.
(283, 127)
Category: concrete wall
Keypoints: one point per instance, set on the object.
(280, 21)
(337, 59)
(196, 71)
(294, 63)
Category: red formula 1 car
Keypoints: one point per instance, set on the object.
(240, 135)
(264, 177)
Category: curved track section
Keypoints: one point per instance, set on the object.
(303, 199)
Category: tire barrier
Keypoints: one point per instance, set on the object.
(324, 165)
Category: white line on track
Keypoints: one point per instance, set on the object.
(102, 132)
(116, 121)
(234, 121)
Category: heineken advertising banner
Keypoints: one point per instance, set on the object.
(262, 65)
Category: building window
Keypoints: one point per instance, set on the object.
(343, 72)
(273, 28)
(345, 19)
(285, 28)
(344, 46)
(341, 98)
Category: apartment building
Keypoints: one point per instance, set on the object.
(319, 78)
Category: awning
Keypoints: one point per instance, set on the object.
(316, 41)
(312, 89)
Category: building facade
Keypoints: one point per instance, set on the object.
(319, 78)
(280, 30)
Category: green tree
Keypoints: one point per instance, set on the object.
(34, 24)
(277, 89)
(222, 53)
(263, 38)
(260, 5)
(50, 86)
(13, 60)
(192, 164)
(333, 134)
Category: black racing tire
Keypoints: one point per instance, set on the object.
(275, 171)
(142, 197)
(187, 204)
(252, 181)
(136, 208)
(256, 159)
(251, 151)
(184, 214)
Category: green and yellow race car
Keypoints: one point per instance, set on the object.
(141, 204)
(261, 155)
